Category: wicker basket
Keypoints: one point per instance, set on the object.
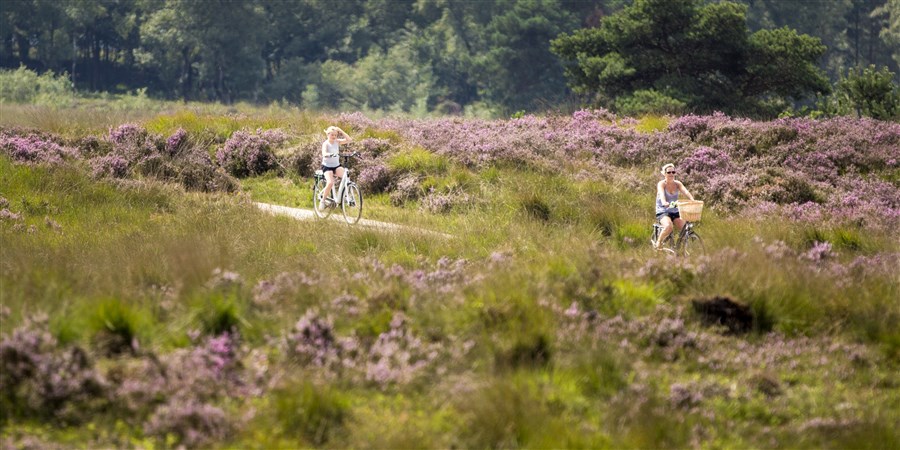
(690, 210)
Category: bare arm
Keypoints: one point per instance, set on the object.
(344, 139)
(684, 190)
(660, 195)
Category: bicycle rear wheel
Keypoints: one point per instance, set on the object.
(692, 245)
(351, 204)
(318, 193)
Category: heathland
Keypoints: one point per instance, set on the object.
(147, 303)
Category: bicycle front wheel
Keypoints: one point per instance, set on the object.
(318, 193)
(352, 204)
(693, 245)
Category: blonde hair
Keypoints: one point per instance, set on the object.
(332, 128)
(666, 166)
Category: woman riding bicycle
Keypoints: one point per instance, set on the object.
(331, 163)
(667, 191)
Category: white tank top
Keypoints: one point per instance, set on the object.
(330, 154)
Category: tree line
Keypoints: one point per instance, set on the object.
(447, 55)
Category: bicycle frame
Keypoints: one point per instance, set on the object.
(338, 189)
(344, 195)
(679, 240)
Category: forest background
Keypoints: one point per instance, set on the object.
(484, 58)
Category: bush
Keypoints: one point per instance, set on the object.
(190, 422)
(406, 189)
(38, 378)
(26, 86)
(35, 148)
(865, 91)
(304, 160)
(246, 154)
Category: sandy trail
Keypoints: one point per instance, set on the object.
(308, 214)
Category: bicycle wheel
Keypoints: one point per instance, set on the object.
(692, 245)
(352, 204)
(318, 192)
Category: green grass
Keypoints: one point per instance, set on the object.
(649, 124)
(419, 160)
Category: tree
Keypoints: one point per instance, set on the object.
(216, 44)
(519, 71)
(692, 53)
(865, 92)
(890, 31)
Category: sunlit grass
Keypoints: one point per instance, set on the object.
(649, 124)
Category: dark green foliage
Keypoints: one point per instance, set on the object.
(436, 55)
(519, 60)
(865, 91)
(671, 53)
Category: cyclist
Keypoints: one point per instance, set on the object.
(667, 191)
(331, 163)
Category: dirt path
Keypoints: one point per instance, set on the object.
(308, 214)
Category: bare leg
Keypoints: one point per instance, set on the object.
(666, 222)
(329, 184)
(679, 224)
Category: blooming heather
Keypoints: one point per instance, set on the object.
(247, 154)
(397, 355)
(34, 148)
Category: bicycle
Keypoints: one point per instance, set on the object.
(688, 242)
(344, 193)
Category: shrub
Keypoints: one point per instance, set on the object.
(246, 154)
(440, 203)
(26, 86)
(192, 423)
(35, 148)
(304, 160)
(38, 378)
(398, 356)
(313, 340)
(865, 91)
(406, 189)
(374, 178)
(197, 173)
(112, 166)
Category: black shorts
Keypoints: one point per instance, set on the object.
(672, 215)
(331, 169)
